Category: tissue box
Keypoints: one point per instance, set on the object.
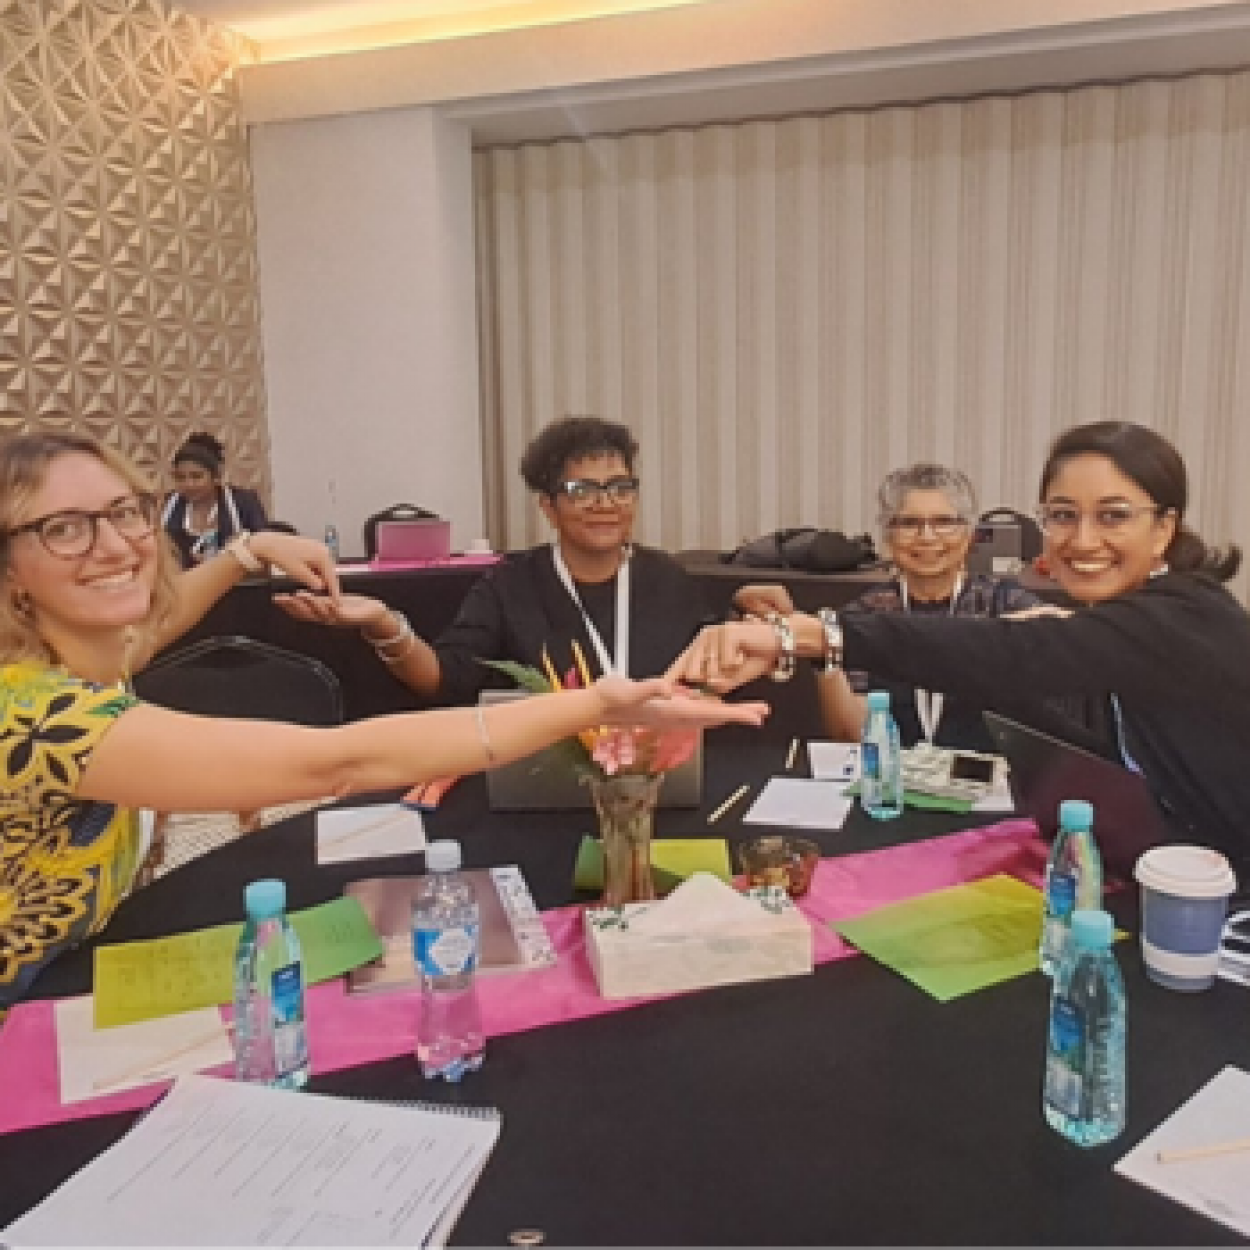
(705, 933)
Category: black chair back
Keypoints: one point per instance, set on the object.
(396, 512)
(241, 677)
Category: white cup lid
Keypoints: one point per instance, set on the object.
(1186, 871)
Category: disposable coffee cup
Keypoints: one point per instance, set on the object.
(478, 547)
(1184, 899)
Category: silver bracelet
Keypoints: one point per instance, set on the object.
(484, 734)
(785, 641)
(405, 631)
(833, 640)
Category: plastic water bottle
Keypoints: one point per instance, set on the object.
(331, 540)
(1084, 1093)
(270, 1038)
(881, 761)
(1073, 880)
(445, 950)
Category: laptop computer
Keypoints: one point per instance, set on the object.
(1044, 771)
(545, 782)
(422, 538)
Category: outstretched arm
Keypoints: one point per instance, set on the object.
(156, 758)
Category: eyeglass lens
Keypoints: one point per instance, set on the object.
(586, 491)
(914, 526)
(1064, 519)
(75, 533)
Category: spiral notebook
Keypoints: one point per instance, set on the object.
(217, 1162)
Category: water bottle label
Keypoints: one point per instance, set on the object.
(1060, 895)
(870, 755)
(1065, 1058)
(290, 1044)
(445, 952)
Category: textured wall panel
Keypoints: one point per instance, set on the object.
(128, 299)
(785, 310)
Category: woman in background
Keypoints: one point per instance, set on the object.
(1158, 642)
(927, 517)
(90, 591)
(202, 513)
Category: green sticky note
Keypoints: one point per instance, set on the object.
(672, 861)
(957, 940)
(143, 980)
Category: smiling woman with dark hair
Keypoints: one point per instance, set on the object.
(631, 609)
(1159, 645)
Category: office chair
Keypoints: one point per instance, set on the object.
(396, 512)
(240, 677)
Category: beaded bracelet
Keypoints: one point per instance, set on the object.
(785, 641)
(240, 547)
(833, 640)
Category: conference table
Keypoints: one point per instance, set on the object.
(844, 1107)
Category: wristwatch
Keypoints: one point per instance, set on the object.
(239, 547)
(833, 640)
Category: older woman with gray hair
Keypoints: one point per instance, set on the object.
(927, 515)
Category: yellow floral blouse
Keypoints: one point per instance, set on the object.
(65, 863)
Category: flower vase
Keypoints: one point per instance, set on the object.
(625, 803)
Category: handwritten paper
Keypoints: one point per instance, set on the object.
(349, 833)
(162, 977)
(95, 1061)
(958, 940)
(1215, 1185)
(799, 803)
(218, 1163)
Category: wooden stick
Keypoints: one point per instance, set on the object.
(1204, 1152)
(727, 804)
(372, 827)
(791, 753)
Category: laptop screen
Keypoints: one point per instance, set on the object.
(1045, 770)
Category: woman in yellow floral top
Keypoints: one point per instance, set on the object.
(91, 591)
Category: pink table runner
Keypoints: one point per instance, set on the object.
(347, 1031)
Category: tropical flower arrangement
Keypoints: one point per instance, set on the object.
(607, 750)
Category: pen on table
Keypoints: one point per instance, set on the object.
(791, 753)
(372, 826)
(727, 804)
(1204, 1152)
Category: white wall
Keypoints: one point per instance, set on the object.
(365, 240)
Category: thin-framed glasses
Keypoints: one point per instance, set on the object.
(585, 492)
(74, 532)
(1060, 520)
(911, 527)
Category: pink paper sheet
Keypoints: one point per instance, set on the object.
(347, 1031)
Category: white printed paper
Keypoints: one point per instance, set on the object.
(800, 803)
(1216, 1184)
(834, 761)
(349, 833)
(94, 1062)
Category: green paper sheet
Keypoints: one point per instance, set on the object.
(143, 980)
(958, 940)
(925, 802)
(672, 861)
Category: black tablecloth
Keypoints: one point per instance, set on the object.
(846, 1107)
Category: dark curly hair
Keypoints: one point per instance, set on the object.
(544, 461)
(1156, 466)
(203, 449)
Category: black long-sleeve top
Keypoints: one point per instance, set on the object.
(521, 606)
(1174, 653)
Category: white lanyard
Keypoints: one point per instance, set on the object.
(929, 703)
(606, 662)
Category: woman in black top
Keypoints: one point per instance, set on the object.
(203, 514)
(1158, 642)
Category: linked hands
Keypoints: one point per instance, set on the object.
(726, 656)
(303, 559)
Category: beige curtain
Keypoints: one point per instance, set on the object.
(785, 310)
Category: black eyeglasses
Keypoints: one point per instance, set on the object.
(74, 532)
(1060, 520)
(911, 527)
(585, 492)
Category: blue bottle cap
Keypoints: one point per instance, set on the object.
(263, 900)
(1092, 930)
(1076, 814)
(443, 856)
(878, 700)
